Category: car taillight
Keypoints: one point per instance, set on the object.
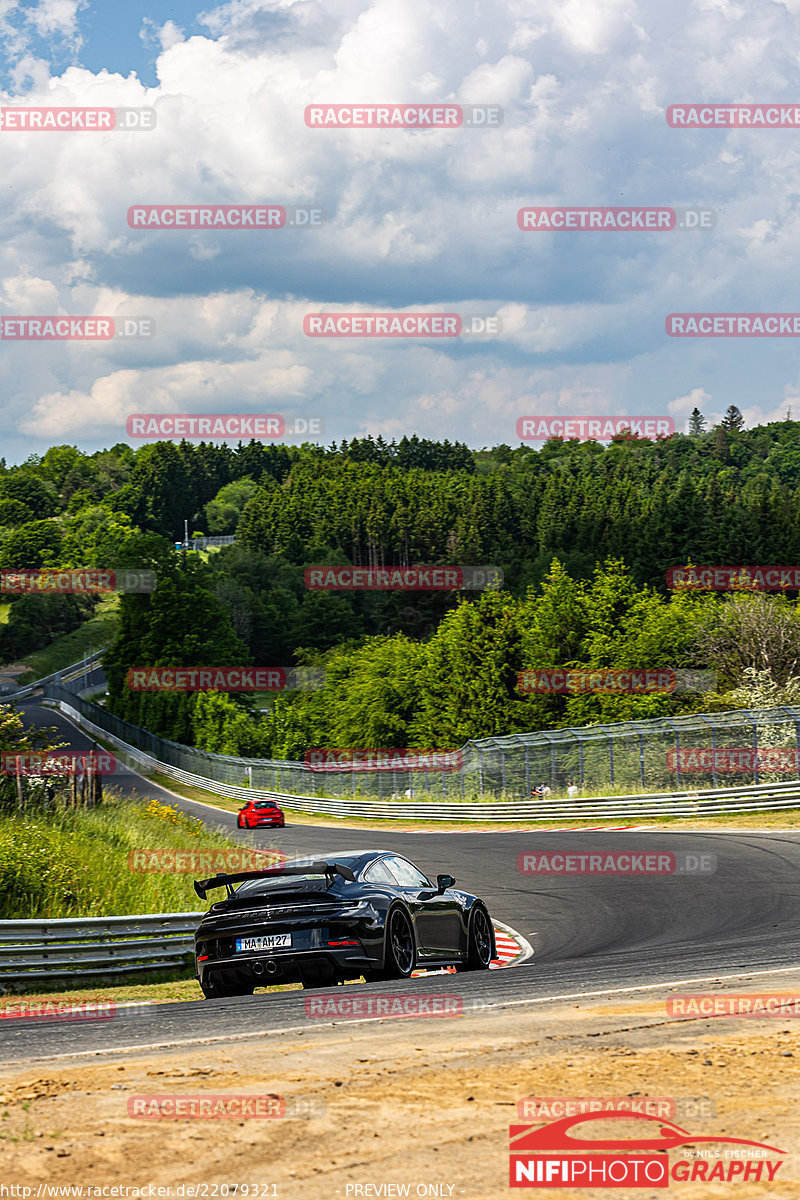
(344, 942)
(203, 957)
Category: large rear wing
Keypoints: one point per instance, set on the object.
(329, 869)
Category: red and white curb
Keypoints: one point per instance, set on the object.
(512, 949)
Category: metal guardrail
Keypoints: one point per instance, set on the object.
(65, 675)
(770, 797)
(661, 755)
(51, 949)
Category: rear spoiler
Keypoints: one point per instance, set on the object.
(320, 867)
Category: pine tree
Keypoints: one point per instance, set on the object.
(697, 422)
(733, 419)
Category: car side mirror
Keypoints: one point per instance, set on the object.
(445, 881)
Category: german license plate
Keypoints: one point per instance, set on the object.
(270, 941)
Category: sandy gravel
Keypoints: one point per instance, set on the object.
(423, 1103)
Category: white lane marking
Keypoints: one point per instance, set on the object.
(234, 1036)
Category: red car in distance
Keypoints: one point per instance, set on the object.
(260, 812)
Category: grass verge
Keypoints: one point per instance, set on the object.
(98, 631)
(65, 862)
(786, 819)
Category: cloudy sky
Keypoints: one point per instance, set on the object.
(414, 220)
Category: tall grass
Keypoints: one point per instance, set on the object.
(66, 862)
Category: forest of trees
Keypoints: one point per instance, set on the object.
(583, 532)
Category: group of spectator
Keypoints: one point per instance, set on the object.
(544, 790)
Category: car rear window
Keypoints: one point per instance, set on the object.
(263, 804)
(252, 886)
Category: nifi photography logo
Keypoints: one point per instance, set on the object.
(561, 1155)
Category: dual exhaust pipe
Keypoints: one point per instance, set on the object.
(265, 967)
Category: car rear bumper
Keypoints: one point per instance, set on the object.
(289, 966)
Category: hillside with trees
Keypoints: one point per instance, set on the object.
(583, 532)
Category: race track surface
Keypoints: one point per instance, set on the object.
(590, 934)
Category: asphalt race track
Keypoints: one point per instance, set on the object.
(590, 934)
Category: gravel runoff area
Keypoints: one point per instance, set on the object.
(423, 1104)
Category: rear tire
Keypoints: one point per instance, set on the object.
(400, 952)
(479, 941)
(217, 987)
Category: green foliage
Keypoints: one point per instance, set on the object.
(182, 624)
(425, 669)
(14, 512)
(223, 512)
(35, 544)
(67, 862)
(16, 739)
(30, 490)
(35, 620)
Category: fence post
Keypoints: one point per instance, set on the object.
(641, 759)
(710, 721)
(755, 749)
(611, 757)
(579, 740)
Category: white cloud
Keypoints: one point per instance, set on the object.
(415, 220)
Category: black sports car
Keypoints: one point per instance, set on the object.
(320, 922)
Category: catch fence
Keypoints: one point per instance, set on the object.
(699, 751)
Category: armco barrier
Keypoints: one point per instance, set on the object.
(626, 757)
(65, 675)
(50, 949)
(764, 798)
